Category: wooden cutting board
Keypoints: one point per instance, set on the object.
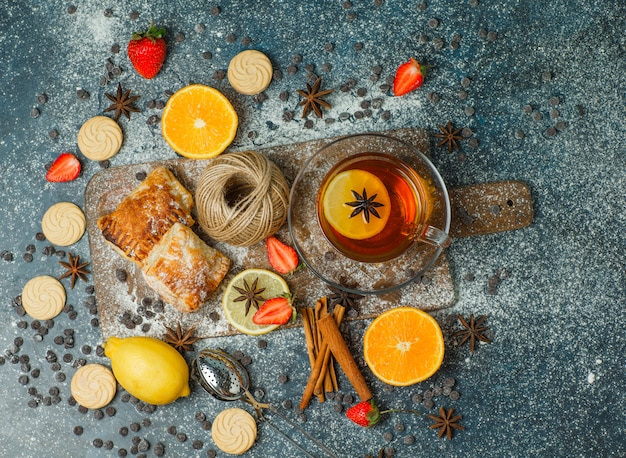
(130, 307)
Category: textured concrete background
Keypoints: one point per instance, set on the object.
(540, 84)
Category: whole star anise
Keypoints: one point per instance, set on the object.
(250, 294)
(75, 269)
(344, 298)
(123, 103)
(473, 331)
(450, 136)
(181, 340)
(364, 204)
(445, 422)
(313, 99)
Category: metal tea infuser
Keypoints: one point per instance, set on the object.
(223, 377)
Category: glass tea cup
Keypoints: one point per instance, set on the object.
(379, 260)
(372, 206)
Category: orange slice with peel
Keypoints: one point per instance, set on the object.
(199, 122)
(339, 204)
(403, 346)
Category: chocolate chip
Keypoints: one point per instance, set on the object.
(428, 403)
(180, 37)
(40, 236)
(34, 113)
(546, 76)
(215, 10)
(358, 46)
(78, 430)
(71, 9)
(231, 38)
(181, 437)
(283, 378)
(28, 257)
(207, 55)
(433, 23)
(454, 395)
(197, 445)
(550, 132)
(492, 36)
(409, 440)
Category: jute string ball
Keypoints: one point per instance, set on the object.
(241, 198)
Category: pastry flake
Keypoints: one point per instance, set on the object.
(146, 214)
(183, 269)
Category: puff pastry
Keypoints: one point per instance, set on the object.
(146, 214)
(183, 269)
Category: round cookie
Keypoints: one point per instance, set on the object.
(100, 138)
(250, 72)
(63, 224)
(234, 431)
(93, 386)
(43, 297)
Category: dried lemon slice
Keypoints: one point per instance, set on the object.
(266, 284)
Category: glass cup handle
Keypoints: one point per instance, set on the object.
(434, 236)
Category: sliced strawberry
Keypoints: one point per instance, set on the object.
(283, 258)
(66, 167)
(408, 77)
(277, 310)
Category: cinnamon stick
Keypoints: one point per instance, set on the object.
(308, 334)
(315, 373)
(324, 373)
(334, 340)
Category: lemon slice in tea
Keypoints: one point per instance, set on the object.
(247, 288)
(356, 204)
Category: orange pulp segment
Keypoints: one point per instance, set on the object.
(341, 190)
(403, 346)
(199, 122)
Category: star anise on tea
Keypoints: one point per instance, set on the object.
(450, 136)
(75, 269)
(445, 422)
(314, 99)
(344, 298)
(473, 331)
(182, 340)
(250, 294)
(364, 204)
(123, 103)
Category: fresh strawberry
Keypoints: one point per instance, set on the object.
(283, 258)
(277, 310)
(408, 77)
(146, 51)
(364, 413)
(66, 167)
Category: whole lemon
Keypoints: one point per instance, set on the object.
(148, 368)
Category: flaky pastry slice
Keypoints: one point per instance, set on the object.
(183, 269)
(146, 214)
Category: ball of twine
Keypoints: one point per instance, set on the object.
(241, 198)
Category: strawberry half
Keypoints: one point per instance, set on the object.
(66, 167)
(146, 51)
(283, 258)
(408, 77)
(277, 310)
(364, 413)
